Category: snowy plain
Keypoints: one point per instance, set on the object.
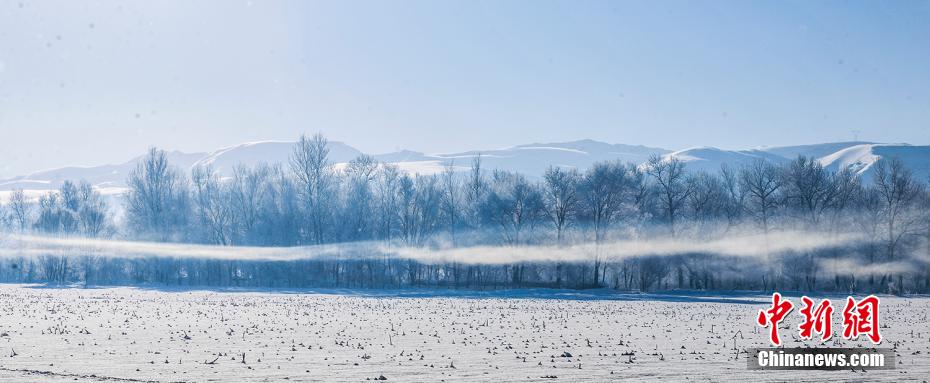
(128, 334)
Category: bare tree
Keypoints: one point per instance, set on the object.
(388, 184)
(846, 186)
(560, 197)
(899, 192)
(279, 211)
(642, 195)
(673, 187)
(419, 201)
(51, 217)
(808, 189)
(761, 183)
(311, 167)
(248, 187)
(92, 211)
(360, 173)
(477, 189)
(213, 205)
(450, 198)
(734, 198)
(604, 189)
(19, 209)
(157, 200)
(707, 200)
(513, 205)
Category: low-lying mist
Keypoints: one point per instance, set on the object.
(747, 259)
(749, 245)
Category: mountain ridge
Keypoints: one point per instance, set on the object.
(531, 159)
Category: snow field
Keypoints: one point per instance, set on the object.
(129, 334)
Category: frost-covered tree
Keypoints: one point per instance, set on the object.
(762, 183)
(419, 199)
(213, 206)
(734, 197)
(157, 202)
(52, 216)
(359, 175)
(808, 189)
(314, 177)
(19, 210)
(513, 206)
(92, 212)
(248, 188)
(604, 190)
(560, 197)
(279, 219)
(672, 186)
(450, 199)
(707, 200)
(846, 185)
(476, 191)
(898, 192)
(388, 200)
(72, 210)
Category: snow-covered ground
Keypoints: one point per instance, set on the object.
(129, 334)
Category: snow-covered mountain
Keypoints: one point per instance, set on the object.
(815, 150)
(269, 152)
(857, 156)
(530, 159)
(710, 159)
(862, 158)
(103, 176)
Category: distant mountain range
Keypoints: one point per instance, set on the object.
(530, 159)
(856, 156)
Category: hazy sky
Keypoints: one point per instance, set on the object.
(91, 82)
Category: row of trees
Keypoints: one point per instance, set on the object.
(72, 210)
(311, 201)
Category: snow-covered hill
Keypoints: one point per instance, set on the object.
(814, 150)
(269, 152)
(103, 176)
(710, 159)
(857, 156)
(861, 158)
(530, 159)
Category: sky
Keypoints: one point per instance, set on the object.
(95, 82)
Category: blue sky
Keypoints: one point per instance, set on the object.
(85, 83)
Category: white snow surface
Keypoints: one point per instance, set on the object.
(861, 158)
(147, 334)
(710, 159)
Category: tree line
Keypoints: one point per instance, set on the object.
(312, 201)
